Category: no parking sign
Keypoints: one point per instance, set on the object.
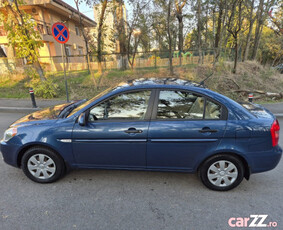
(60, 32)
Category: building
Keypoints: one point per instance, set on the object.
(46, 13)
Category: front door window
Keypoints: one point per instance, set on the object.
(128, 106)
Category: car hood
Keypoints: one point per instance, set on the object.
(41, 116)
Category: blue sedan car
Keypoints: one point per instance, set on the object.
(148, 124)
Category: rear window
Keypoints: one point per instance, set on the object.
(257, 110)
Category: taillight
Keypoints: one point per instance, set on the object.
(275, 128)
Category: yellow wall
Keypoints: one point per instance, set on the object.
(48, 18)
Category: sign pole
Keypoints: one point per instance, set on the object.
(61, 34)
(65, 77)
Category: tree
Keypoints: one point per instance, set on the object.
(83, 32)
(276, 20)
(159, 29)
(169, 36)
(102, 7)
(199, 29)
(22, 36)
(222, 13)
(179, 5)
(259, 26)
(121, 33)
(261, 17)
(234, 26)
(133, 28)
(270, 48)
(164, 26)
(251, 19)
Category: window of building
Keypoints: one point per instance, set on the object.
(77, 31)
(48, 30)
(40, 28)
(80, 49)
(68, 50)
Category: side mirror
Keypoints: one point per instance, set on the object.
(82, 119)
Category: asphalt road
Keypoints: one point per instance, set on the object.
(100, 199)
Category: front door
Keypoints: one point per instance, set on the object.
(116, 132)
(185, 126)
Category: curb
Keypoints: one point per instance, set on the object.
(18, 110)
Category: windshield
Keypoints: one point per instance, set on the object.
(91, 100)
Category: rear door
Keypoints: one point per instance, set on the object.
(184, 127)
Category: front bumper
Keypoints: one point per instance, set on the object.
(10, 153)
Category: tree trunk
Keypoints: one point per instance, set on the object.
(99, 35)
(134, 53)
(247, 48)
(77, 2)
(233, 29)
(206, 45)
(251, 19)
(199, 30)
(218, 39)
(213, 26)
(180, 37)
(180, 33)
(169, 38)
(122, 57)
(39, 70)
(236, 55)
(179, 5)
(258, 29)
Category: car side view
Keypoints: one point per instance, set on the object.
(148, 124)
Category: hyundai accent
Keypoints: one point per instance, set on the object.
(148, 124)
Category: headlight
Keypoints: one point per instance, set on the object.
(9, 133)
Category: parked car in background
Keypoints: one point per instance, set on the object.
(148, 124)
(279, 68)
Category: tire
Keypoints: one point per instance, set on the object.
(222, 172)
(42, 165)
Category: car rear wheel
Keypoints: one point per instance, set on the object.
(222, 172)
(42, 165)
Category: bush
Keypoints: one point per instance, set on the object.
(45, 89)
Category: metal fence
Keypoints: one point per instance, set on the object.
(153, 59)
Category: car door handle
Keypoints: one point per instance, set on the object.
(133, 130)
(208, 131)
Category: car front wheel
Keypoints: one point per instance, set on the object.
(222, 172)
(42, 165)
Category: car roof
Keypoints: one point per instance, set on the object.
(157, 82)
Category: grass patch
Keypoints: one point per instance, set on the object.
(250, 76)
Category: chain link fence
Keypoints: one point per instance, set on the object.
(153, 59)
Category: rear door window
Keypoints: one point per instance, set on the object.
(186, 105)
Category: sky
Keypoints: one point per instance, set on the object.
(86, 9)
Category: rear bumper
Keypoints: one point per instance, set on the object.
(9, 153)
(265, 161)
